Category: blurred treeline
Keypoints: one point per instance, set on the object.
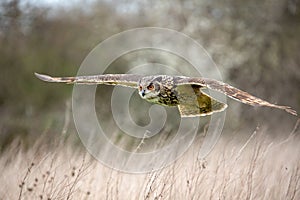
(256, 44)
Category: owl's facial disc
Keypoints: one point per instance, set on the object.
(149, 91)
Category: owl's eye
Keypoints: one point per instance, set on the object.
(150, 87)
(140, 88)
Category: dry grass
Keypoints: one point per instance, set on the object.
(258, 168)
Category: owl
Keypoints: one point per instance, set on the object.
(184, 92)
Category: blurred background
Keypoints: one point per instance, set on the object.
(256, 45)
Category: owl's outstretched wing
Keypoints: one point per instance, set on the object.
(127, 80)
(230, 91)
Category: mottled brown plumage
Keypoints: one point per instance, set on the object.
(181, 91)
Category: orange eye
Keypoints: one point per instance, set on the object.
(150, 87)
(140, 88)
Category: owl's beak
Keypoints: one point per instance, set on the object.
(143, 93)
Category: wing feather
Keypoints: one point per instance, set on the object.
(231, 91)
(193, 102)
(127, 80)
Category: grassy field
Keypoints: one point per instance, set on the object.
(259, 167)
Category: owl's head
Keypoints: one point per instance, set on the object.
(149, 87)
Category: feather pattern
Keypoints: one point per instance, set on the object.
(232, 92)
(185, 92)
